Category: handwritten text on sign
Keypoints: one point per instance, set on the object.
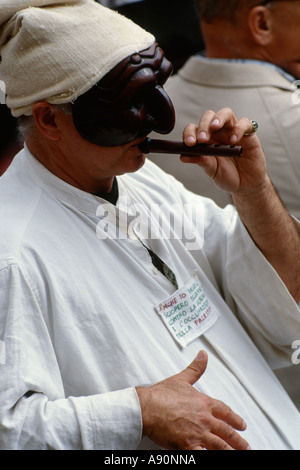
(188, 313)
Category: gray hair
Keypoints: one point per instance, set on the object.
(26, 123)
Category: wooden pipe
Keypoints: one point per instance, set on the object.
(179, 148)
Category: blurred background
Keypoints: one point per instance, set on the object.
(173, 22)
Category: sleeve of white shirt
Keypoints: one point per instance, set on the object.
(247, 281)
(34, 413)
(252, 288)
(263, 303)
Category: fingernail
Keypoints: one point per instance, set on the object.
(248, 448)
(202, 135)
(244, 425)
(200, 356)
(234, 139)
(215, 122)
(190, 140)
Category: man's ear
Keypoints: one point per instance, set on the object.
(45, 116)
(260, 25)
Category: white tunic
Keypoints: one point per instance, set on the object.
(78, 325)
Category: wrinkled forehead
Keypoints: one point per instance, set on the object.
(131, 77)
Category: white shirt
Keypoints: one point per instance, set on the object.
(79, 325)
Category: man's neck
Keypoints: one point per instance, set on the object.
(224, 41)
(57, 165)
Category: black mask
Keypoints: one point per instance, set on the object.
(129, 102)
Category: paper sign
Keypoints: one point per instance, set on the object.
(188, 313)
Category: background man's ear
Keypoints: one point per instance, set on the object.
(260, 25)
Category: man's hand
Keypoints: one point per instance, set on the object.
(230, 174)
(176, 416)
(271, 227)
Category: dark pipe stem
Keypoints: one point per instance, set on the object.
(179, 148)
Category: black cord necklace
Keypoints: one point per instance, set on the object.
(157, 262)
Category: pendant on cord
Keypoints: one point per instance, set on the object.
(162, 267)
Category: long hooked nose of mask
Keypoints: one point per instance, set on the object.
(160, 111)
(129, 102)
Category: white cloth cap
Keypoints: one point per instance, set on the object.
(56, 50)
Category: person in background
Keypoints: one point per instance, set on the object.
(251, 63)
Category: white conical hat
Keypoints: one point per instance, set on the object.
(56, 50)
